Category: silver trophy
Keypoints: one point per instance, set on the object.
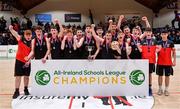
(90, 48)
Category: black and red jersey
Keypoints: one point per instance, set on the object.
(164, 55)
(106, 51)
(69, 52)
(135, 53)
(40, 48)
(56, 52)
(89, 46)
(24, 48)
(149, 50)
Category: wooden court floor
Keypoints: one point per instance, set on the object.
(161, 102)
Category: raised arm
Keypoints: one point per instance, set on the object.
(96, 37)
(61, 31)
(142, 36)
(63, 43)
(110, 25)
(14, 33)
(121, 17)
(146, 22)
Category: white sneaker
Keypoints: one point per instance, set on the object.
(160, 92)
(166, 93)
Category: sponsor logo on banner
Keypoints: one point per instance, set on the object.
(82, 102)
(137, 77)
(42, 77)
(81, 77)
(12, 49)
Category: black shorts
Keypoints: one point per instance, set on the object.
(161, 69)
(151, 68)
(20, 70)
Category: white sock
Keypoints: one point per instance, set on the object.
(166, 88)
(160, 87)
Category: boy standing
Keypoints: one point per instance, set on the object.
(165, 63)
(22, 66)
(149, 48)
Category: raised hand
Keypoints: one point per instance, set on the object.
(56, 21)
(144, 18)
(110, 21)
(93, 25)
(121, 17)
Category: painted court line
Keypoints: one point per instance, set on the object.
(71, 101)
(124, 101)
(110, 100)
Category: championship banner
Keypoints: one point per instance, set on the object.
(90, 78)
(3, 51)
(12, 49)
